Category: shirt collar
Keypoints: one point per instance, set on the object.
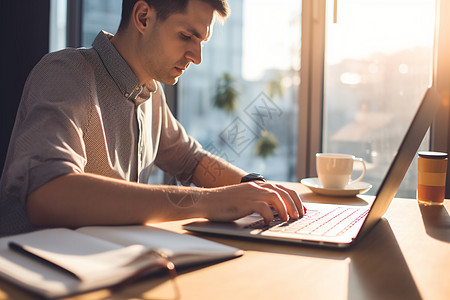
(117, 67)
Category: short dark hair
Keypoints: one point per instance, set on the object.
(164, 8)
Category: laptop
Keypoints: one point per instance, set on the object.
(333, 225)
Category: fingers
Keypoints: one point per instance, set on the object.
(284, 200)
(289, 201)
(280, 200)
(296, 198)
(264, 210)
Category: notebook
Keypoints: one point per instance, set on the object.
(335, 225)
(61, 262)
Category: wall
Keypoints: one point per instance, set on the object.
(24, 30)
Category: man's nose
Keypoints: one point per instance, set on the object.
(194, 54)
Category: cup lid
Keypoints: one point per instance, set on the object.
(432, 154)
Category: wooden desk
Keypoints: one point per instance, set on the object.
(405, 256)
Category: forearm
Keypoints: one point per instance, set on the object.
(85, 199)
(212, 171)
(76, 200)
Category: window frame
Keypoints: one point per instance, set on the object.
(310, 117)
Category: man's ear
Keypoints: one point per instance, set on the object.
(141, 16)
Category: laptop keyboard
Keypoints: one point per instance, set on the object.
(330, 223)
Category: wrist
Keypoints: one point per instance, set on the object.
(185, 201)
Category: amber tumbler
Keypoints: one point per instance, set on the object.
(432, 167)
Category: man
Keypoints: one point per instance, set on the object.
(93, 122)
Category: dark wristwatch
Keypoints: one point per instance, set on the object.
(252, 177)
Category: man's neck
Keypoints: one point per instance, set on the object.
(126, 47)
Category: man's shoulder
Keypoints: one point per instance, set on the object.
(70, 58)
(63, 64)
(65, 70)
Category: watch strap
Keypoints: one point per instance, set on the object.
(252, 177)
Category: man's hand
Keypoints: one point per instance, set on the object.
(229, 203)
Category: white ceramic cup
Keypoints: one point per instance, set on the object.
(335, 170)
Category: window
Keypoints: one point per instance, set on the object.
(241, 101)
(99, 15)
(375, 61)
(58, 12)
(377, 68)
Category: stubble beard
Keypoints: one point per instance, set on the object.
(161, 74)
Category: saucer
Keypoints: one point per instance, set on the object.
(353, 189)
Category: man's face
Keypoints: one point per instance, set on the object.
(169, 46)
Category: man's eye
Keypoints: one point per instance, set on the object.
(185, 37)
